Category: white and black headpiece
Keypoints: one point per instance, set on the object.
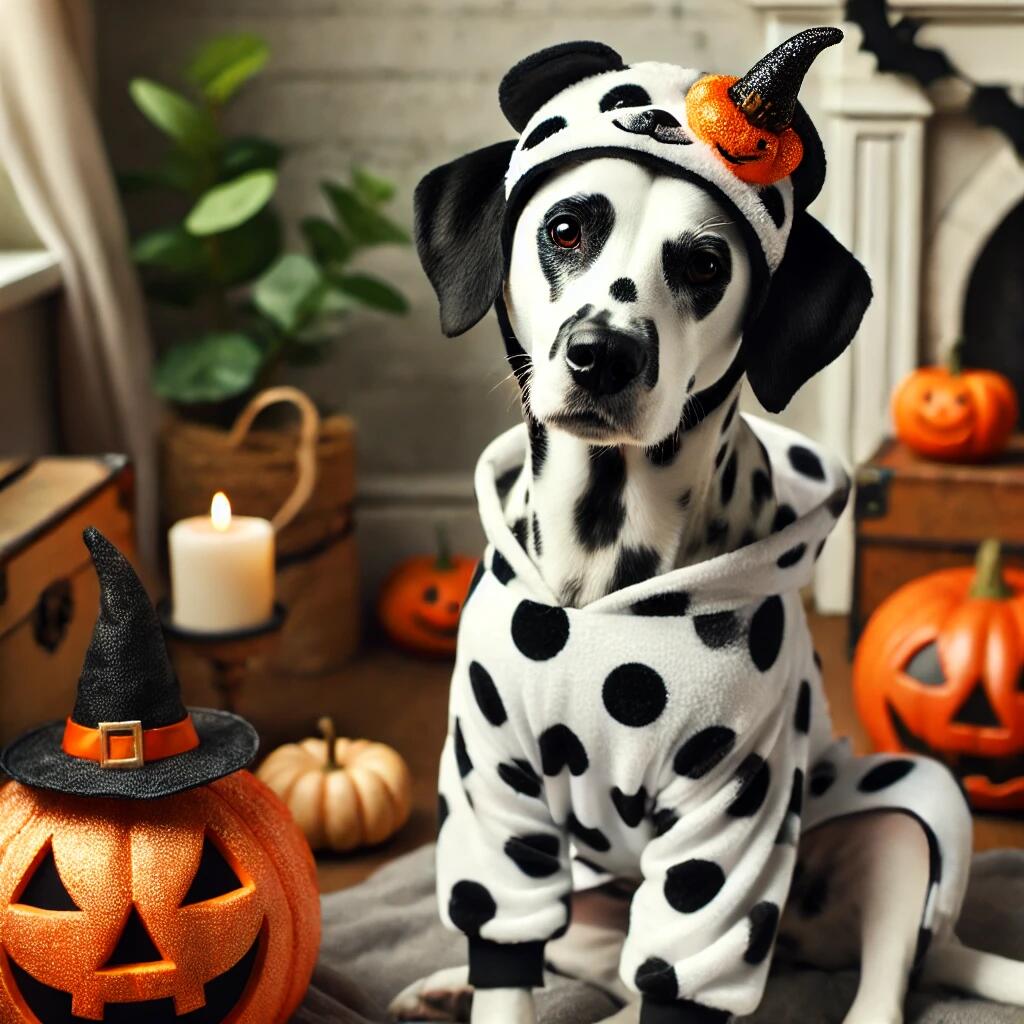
(745, 140)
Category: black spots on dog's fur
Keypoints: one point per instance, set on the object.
(806, 462)
(504, 483)
(649, 329)
(561, 748)
(634, 695)
(520, 776)
(692, 885)
(462, 758)
(730, 415)
(729, 479)
(691, 382)
(764, 920)
(519, 531)
(503, 572)
(656, 977)
(823, 775)
(667, 603)
(760, 489)
(697, 270)
(547, 128)
(664, 819)
(720, 455)
(802, 715)
(536, 854)
(626, 95)
(538, 444)
(600, 510)
(684, 499)
(596, 217)
(634, 565)
(566, 326)
(772, 199)
(539, 631)
(592, 837)
(792, 556)
(538, 541)
(470, 907)
(703, 751)
(623, 289)
(766, 630)
(884, 775)
(718, 629)
(718, 530)
(796, 793)
(665, 451)
(784, 516)
(754, 776)
(631, 806)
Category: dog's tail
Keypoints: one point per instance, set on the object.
(970, 970)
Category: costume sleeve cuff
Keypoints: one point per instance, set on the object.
(506, 965)
(681, 1011)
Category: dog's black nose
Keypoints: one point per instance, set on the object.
(603, 361)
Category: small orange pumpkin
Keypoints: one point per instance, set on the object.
(953, 414)
(939, 670)
(342, 793)
(754, 154)
(159, 908)
(422, 600)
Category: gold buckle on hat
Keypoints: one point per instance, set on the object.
(110, 729)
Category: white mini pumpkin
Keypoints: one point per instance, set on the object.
(342, 793)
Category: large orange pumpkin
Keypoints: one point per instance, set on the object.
(939, 670)
(421, 601)
(953, 414)
(198, 907)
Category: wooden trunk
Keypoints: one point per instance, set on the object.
(49, 596)
(914, 516)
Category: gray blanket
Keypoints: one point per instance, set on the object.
(385, 933)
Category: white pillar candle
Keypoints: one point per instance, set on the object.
(222, 570)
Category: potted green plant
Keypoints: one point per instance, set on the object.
(252, 306)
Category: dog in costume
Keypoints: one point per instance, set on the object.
(640, 784)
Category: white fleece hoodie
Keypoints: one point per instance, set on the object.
(674, 732)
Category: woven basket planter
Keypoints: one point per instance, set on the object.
(317, 569)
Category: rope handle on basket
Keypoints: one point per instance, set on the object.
(305, 454)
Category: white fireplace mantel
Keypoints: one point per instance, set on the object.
(914, 189)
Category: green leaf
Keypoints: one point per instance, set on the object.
(287, 291)
(372, 188)
(331, 301)
(371, 291)
(249, 153)
(226, 206)
(248, 250)
(366, 225)
(226, 63)
(178, 171)
(172, 248)
(178, 291)
(326, 242)
(215, 367)
(189, 125)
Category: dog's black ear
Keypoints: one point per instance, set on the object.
(535, 79)
(459, 211)
(813, 309)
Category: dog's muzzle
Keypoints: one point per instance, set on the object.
(603, 361)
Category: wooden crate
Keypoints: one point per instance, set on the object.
(914, 516)
(49, 596)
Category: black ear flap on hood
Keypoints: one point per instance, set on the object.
(535, 79)
(459, 211)
(813, 308)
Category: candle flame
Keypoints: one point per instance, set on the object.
(220, 511)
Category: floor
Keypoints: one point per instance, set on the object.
(399, 700)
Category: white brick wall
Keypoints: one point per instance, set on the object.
(401, 85)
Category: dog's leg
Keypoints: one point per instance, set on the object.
(445, 995)
(970, 970)
(503, 1006)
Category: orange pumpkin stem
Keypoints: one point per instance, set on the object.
(444, 549)
(330, 734)
(989, 582)
(955, 359)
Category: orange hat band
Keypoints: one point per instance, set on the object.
(127, 744)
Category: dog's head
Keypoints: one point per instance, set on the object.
(646, 239)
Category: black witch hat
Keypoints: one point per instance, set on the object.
(767, 93)
(129, 735)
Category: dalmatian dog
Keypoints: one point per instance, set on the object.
(640, 785)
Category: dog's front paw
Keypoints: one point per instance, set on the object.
(443, 996)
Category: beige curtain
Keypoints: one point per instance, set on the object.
(51, 146)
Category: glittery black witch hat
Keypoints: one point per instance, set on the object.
(129, 734)
(767, 93)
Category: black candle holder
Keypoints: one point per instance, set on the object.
(228, 654)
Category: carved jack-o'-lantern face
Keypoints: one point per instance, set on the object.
(940, 670)
(200, 907)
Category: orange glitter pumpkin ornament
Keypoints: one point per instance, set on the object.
(749, 120)
(143, 876)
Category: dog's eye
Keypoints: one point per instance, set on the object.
(702, 267)
(565, 231)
